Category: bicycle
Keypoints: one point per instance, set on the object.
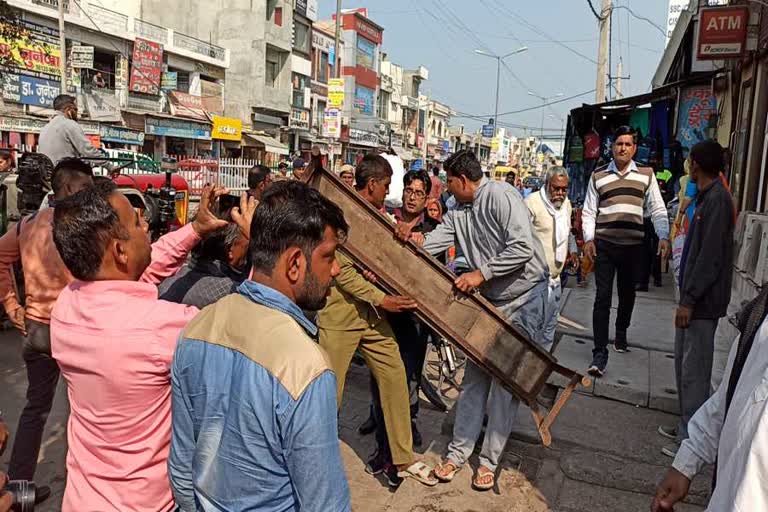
(442, 373)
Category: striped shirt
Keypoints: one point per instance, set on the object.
(615, 204)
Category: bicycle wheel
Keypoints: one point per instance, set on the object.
(441, 385)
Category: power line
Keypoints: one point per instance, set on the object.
(642, 18)
(528, 109)
(594, 11)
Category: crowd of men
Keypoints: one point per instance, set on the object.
(205, 371)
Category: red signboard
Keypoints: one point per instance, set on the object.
(362, 26)
(147, 67)
(187, 105)
(722, 32)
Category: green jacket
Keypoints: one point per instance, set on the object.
(353, 301)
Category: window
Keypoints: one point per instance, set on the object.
(384, 99)
(273, 65)
(364, 100)
(279, 16)
(300, 83)
(366, 53)
(319, 115)
(322, 68)
(302, 39)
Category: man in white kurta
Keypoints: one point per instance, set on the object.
(738, 440)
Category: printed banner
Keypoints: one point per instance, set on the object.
(697, 105)
(336, 93)
(37, 54)
(103, 106)
(147, 67)
(82, 56)
(332, 123)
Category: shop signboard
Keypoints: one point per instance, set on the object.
(212, 94)
(169, 81)
(311, 9)
(336, 93)
(187, 105)
(82, 56)
(697, 106)
(177, 128)
(364, 100)
(147, 66)
(363, 137)
(673, 14)
(121, 135)
(446, 146)
(21, 124)
(488, 130)
(37, 54)
(332, 123)
(29, 90)
(103, 106)
(227, 128)
(299, 119)
(301, 7)
(722, 32)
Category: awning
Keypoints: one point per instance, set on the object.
(270, 144)
(404, 154)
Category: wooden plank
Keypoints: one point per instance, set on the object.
(470, 321)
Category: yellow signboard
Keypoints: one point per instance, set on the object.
(35, 53)
(336, 93)
(227, 128)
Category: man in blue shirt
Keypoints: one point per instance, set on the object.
(254, 398)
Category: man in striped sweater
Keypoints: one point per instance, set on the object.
(617, 198)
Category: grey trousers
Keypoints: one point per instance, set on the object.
(482, 394)
(694, 351)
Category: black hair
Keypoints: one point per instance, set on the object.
(5, 154)
(422, 176)
(436, 171)
(257, 174)
(371, 167)
(62, 101)
(464, 163)
(625, 130)
(216, 245)
(708, 154)
(291, 214)
(83, 226)
(66, 169)
(282, 165)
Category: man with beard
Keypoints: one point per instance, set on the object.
(550, 212)
(254, 397)
(113, 340)
(62, 137)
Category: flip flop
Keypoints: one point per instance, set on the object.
(447, 476)
(419, 472)
(484, 486)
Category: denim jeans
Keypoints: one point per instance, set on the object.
(554, 294)
(43, 376)
(482, 394)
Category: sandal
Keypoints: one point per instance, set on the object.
(443, 473)
(419, 472)
(480, 481)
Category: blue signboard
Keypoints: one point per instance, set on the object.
(364, 100)
(29, 90)
(177, 128)
(697, 107)
(121, 135)
(488, 130)
(446, 146)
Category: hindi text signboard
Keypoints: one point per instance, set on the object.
(146, 69)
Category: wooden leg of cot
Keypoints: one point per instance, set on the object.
(543, 423)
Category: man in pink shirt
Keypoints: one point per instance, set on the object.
(114, 340)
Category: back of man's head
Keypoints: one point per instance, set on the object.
(464, 163)
(708, 155)
(371, 167)
(216, 246)
(257, 175)
(63, 101)
(69, 176)
(291, 214)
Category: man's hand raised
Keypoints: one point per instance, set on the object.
(243, 215)
(397, 304)
(206, 221)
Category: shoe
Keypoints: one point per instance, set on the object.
(367, 427)
(641, 287)
(41, 494)
(377, 464)
(668, 432)
(620, 344)
(599, 362)
(671, 450)
(390, 471)
(417, 439)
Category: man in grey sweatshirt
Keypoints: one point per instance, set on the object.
(492, 228)
(62, 137)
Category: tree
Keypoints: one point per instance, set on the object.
(13, 35)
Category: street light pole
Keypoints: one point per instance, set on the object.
(499, 59)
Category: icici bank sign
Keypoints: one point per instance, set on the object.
(722, 32)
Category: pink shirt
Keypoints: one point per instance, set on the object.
(114, 341)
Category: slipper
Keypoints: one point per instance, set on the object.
(484, 486)
(419, 472)
(446, 477)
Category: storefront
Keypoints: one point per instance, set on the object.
(264, 148)
(179, 137)
(359, 144)
(22, 132)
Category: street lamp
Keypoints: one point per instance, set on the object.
(499, 58)
(544, 100)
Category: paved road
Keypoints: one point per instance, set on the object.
(605, 455)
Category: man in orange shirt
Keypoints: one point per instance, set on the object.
(45, 275)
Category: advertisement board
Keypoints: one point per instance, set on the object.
(187, 105)
(169, 81)
(697, 106)
(673, 14)
(366, 53)
(103, 106)
(364, 100)
(121, 135)
(336, 92)
(29, 90)
(35, 55)
(82, 56)
(332, 123)
(147, 67)
(177, 128)
(722, 32)
(227, 128)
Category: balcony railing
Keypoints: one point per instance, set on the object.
(109, 21)
(150, 31)
(53, 4)
(198, 46)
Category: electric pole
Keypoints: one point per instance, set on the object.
(426, 133)
(619, 95)
(336, 54)
(62, 49)
(602, 52)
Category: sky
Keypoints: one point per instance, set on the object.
(444, 34)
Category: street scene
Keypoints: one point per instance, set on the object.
(383, 255)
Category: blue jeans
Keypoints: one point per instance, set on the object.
(482, 394)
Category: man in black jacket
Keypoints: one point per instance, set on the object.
(705, 285)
